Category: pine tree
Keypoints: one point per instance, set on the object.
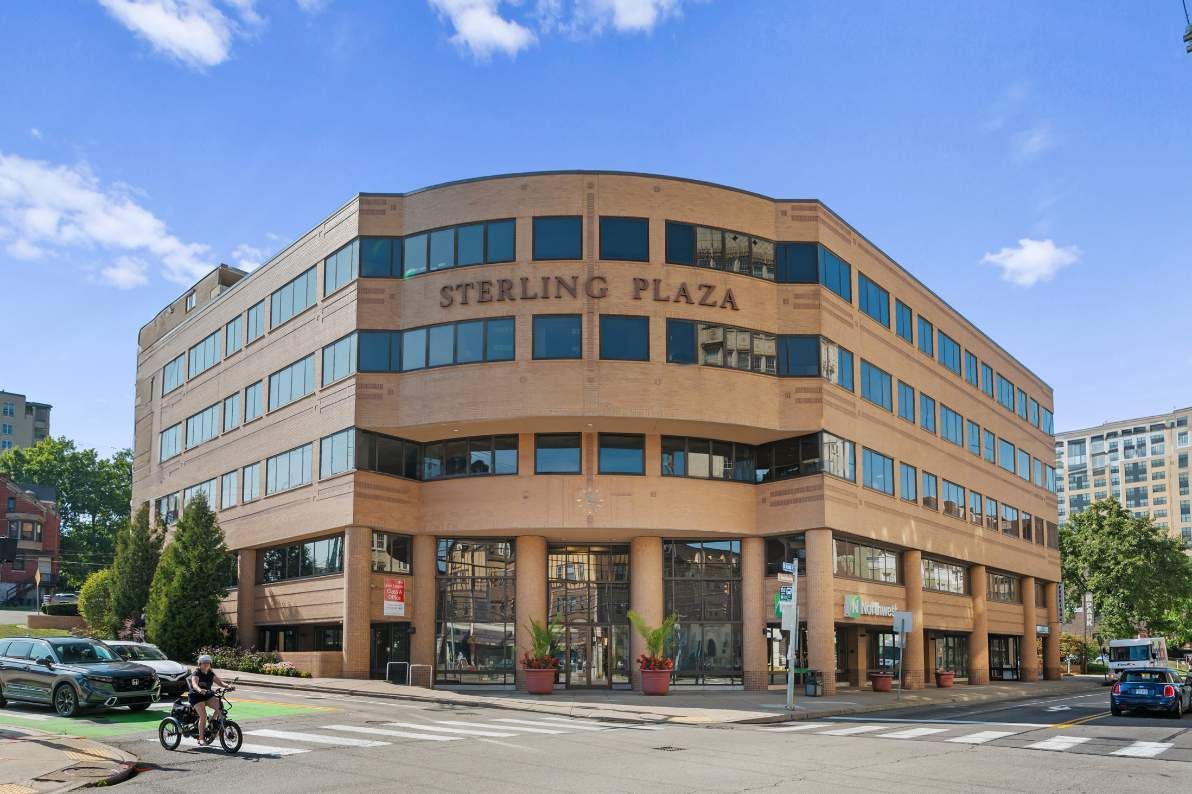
(138, 550)
(192, 577)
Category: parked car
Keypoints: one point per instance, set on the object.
(1151, 689)
(70, 673)
(172, 675)
(61, 598)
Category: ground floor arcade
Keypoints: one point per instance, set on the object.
(456, 611)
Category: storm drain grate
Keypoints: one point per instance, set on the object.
(666, 748)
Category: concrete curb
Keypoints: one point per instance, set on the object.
(84, 763)
(614, 714)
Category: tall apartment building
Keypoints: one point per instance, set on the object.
(22, 423)
(561, 396)
(1143, 463)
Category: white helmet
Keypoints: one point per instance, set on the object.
(205, 659)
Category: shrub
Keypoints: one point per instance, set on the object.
(60, 608)
(95, 603)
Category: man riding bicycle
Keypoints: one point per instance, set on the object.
(202, 683)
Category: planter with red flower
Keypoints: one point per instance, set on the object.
(656, 667)
(541, 662)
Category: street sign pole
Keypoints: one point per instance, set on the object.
(903, 622)
(790, 621)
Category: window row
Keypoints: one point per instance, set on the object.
(818, 453)
(322, 557)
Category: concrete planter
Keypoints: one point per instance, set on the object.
(944, 678)
(540, 682)
(655, 682)
(882, 682)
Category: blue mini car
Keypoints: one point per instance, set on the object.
(1151, 689)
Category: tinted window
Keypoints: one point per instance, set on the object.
(680, 243)
(414, 254)
(625, 238)
(557, 453)
(470, 240)
(442, 249)
(799, 356)
(499, 339)
(622, 454)
(797, 263)
(500, 241)
(19, 649)
(557, 336)
(380, 257)
(680, 341)
(558, 238)
(624, 338)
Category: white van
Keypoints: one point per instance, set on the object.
(1137, 652)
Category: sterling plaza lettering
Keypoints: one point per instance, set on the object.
(529, 288)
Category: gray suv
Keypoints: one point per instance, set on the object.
(70, 673)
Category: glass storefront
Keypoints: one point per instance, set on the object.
(474, 612)
(702, 586)
(389, 642)
(589, 599)
(951, 653)
(1004, 657)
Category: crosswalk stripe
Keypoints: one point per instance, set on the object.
(430, 737)
(607, 726)
(803, 726)
(315, 738)
(981, 737)
(246, 749)
(518, 728)
(551, 724)
(1143, 749)
(464, 731)
(1059, 743)
(25, 715)
(851, 730)
(911, 733)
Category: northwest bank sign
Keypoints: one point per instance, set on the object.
(534, 288)
(855, 607)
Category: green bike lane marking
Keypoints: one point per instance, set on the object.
(119, 722)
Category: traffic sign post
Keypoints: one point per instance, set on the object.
(788, 600)
(903, 623)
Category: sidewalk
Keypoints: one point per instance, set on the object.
(32, 761)
(705, 706)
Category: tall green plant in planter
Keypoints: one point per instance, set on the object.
(542, 660)
(656, 667)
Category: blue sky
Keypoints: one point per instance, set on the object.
(1031, 162)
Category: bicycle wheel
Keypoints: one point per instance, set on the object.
(169, 733)
(230, 736)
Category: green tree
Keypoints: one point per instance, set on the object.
(138, 549)
(1136, 575)
(95, 603)
(93, 499)
(192, 577)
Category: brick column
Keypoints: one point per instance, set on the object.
(422, 644)
(1030, 660)
(912, 654)
(753, 614)
(246, 588)
(978, 644)
(1051, 643)
(357, 601)
(821, 634)
(530, 597)
(645, 594)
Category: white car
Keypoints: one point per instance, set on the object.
(171, 674)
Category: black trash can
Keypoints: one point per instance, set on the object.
(813, 684)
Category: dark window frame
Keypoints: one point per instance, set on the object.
(600, 229)
(533, 336)
(534, 257)
(600, 447)
(600, 324)
(578, 471)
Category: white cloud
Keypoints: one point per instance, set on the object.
(1032, 261)
(126, 272)
(196, 32)
(248, 257)
(313, 6)
(1031, 143)
(35, 132)
(480, 27)
(591, 17)
(46, 209)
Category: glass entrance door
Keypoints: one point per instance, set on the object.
(589, 598)
(389, 642)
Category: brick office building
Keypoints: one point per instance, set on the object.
(30, 516)
(441, 413)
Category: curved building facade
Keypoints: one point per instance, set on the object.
(562, 396)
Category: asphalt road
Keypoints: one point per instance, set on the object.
(309, 742)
